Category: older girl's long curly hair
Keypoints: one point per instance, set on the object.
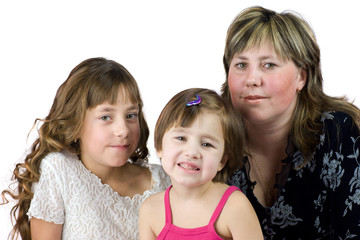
(93, 82)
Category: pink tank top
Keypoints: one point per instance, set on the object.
(208, 232)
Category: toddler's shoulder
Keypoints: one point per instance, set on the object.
(154, 200)
(237, 201)
(152, 206)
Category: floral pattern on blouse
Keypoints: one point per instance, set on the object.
(319, 199)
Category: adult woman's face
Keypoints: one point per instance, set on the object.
(263, 87)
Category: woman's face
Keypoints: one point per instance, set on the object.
(263, 87)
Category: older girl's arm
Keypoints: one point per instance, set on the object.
(42, 230)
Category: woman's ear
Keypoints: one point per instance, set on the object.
(302, 79)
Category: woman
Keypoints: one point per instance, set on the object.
(302, 171)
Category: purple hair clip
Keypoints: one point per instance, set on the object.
(197, 101)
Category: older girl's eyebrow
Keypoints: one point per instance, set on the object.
(133, 108)
(111, 108)
(105, 108)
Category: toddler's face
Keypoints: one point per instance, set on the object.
(192, 155)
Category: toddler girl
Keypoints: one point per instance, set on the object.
(199, 141)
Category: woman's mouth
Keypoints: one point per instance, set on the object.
(255, 97)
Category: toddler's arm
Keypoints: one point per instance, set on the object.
(241, 218)
(145, 217)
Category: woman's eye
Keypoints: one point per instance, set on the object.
(241, 65)
(269, 65)
(105, 118)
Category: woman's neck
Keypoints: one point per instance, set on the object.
(266, 145)
(267, 140)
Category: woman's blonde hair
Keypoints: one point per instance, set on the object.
(93, 82)
(293, 40)
(177, 113)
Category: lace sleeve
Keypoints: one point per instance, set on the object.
(162, 180)
(47, 203)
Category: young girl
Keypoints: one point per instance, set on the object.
(87, 173)
(197, 139)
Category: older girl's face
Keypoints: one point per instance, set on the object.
(263, 87)
(110, 134)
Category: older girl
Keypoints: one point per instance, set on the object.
(87, 172)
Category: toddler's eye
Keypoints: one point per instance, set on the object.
(180, 138)
(205, 144)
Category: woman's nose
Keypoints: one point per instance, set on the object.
(253, 78)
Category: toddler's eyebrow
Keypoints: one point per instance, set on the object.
(211, 137)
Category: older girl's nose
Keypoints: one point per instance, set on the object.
(121, 128)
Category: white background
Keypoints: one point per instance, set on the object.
(167, 46)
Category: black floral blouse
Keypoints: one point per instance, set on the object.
(320, 200)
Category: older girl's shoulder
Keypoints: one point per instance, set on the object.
(59, 159)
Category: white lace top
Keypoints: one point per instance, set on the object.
(68, 193)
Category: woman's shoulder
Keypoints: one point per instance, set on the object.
(338, 118)
(340, 123)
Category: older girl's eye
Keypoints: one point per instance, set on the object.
(132, 116)
(105, 118)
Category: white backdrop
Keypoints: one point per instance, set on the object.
(167, 46)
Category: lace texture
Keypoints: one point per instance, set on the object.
(68, 193)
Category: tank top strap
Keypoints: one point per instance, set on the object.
(222, 203)
(167, 206)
